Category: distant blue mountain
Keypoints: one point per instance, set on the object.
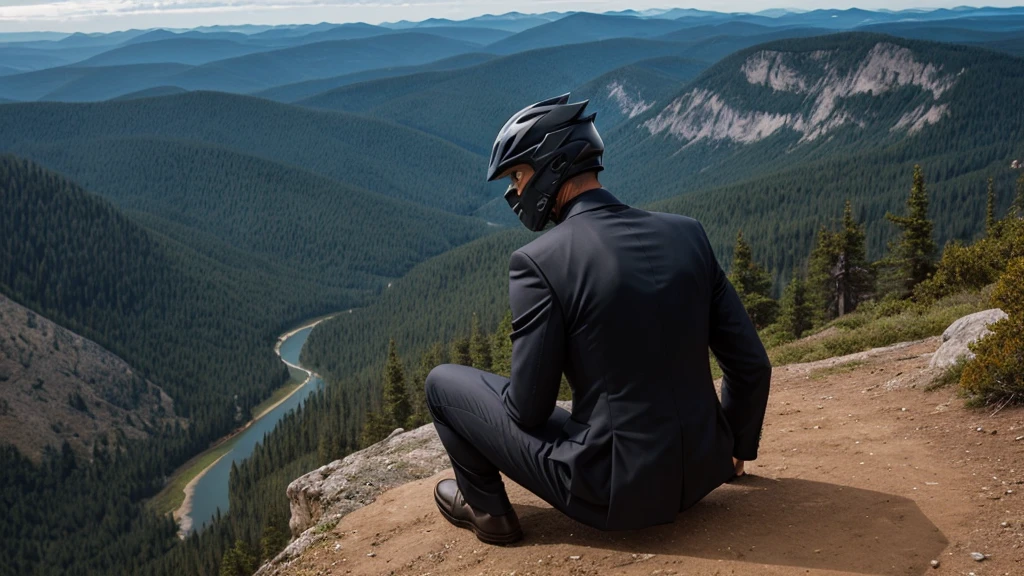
(182, 50)
(152, 93)
(584, 27)
(300, 90)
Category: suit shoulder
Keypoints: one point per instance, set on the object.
(542, 246)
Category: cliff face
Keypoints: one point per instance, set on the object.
(56, 385)
(813, 94)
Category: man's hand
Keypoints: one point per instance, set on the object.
(738, 466)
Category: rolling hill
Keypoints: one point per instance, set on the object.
(468, 106)
(324, 230)
(179, 50)
(76, 82)
(362, 152)
(302, 90)
(320, 60)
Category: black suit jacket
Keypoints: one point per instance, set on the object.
(627, 304)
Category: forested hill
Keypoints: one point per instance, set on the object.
(780, 104)
(213, 198)
(378, 156)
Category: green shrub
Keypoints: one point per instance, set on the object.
(869, 328)
(996, 374)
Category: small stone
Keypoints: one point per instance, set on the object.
(574, 557)
(1004, 524)
(935, 563)
(372, 554)
(978, 556)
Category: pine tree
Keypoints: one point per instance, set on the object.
(375, 429)
(273, 539)
(912, 256)
(396, 398)
(840, 275)
(856, 278)
(501, 347)
(238, 560)
(820, 276)
(459, 353)
(796, 314)
(753, 284)
(990, 209)
(479, 347)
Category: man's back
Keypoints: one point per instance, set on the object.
(641, 298)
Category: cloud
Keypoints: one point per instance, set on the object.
(72, 10)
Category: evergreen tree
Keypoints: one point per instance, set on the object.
(754, 285)
(479, 347)
(990, 209)
(375, 429)
(238, 560)
(912, 257)
(501, 347)
(796, 313)
(820, 277)
(856, 277)
(840, 275)
(396, 398)
(273, 539)
(460, 353)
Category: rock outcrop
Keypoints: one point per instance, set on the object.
(961, 333)
(322, 497)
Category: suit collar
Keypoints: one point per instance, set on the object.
(587, 201)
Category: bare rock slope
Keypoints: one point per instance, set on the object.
(56, 385)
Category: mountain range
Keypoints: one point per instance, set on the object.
(178, 198)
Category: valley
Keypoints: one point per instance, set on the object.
(173, 200)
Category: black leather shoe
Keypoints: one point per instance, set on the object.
(502, 529)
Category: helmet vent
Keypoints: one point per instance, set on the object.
(529, 117)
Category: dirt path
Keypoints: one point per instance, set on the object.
(862, 471)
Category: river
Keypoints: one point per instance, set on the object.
(210, 490)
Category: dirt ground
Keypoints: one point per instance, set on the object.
(861, 471)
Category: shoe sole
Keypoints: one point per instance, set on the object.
(484, 537)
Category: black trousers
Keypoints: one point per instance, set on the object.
(482, 439)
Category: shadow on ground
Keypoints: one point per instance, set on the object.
(788, 522)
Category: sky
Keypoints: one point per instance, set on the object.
(110, 15)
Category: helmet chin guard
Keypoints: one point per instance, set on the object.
(552, 139)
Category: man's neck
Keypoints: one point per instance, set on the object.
(574, 187)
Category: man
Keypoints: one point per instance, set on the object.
(625, 303)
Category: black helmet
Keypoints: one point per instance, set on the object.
(551, 137)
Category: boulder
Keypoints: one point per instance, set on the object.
(961, 333)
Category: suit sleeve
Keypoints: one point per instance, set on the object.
(538, 344)
(744, 362)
